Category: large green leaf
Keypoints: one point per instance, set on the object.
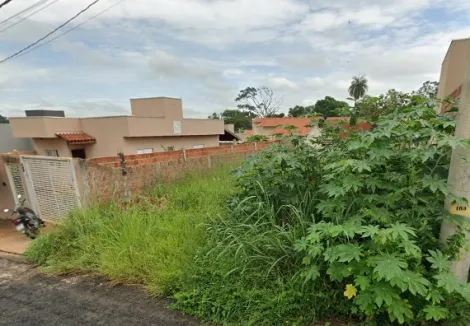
(416, 283)
(435, 312)
(400, 230)
(388, 266)
(449, 282)
(346, 253)
(438, 260)
(338, 271)
(400, 310)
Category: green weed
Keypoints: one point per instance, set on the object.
(148, 243)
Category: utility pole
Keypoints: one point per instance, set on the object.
(459, 176)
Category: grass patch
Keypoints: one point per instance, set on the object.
(146, 243)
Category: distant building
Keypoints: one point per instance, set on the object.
(275, 126)
(156, 125)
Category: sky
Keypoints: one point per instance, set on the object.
(205, 51)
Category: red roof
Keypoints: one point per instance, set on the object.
(300, 123)
(454, 95)
(76, 137)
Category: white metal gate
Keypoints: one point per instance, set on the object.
(52, 185)
(14, 177)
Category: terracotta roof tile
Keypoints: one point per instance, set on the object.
(300, 123)
(76, 137)
(454, 95)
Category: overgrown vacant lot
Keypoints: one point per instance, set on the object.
(344, 227)
(149, 242)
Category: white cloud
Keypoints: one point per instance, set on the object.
(281, 83)
(206, 50)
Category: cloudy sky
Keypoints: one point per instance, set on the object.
(205, 51)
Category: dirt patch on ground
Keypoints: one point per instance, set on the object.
(28, 298)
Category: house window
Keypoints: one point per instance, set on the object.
(171, 148)
(144, 150)
(52, 152)
(79, 153)
(198, 146)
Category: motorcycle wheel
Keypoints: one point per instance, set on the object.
(31, 233)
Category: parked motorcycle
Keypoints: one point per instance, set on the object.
(27, 221)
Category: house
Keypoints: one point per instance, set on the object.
(274, 126)
(156, 125)
(453, 71)
(229, 136)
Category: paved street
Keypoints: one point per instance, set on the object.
(27, 298)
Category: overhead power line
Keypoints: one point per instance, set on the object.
(50, 33)
(34, 5)
(26, 17)
(71, 29)
(4, 3)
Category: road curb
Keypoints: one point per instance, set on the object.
(13, 257)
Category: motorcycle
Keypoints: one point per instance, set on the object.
(27, 222)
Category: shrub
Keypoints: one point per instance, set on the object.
(337, 227)
(257, 138)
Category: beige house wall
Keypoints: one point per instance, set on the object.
(152, 118)
(159, 107)
(161, 144)
(108, 133)
(453, 67)
(43, 144)
(6, 194)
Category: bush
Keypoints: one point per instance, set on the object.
(149, 242)
(337, 227)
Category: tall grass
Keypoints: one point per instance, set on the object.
(248, 272)
(147, 243)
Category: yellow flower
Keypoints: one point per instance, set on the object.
(351, 291)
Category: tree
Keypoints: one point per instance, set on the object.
(301, 111)
(358, 88)
(3, 119)
(214, 116)
(240, 119)
(372, 107)
(428, 89)
(260, 101)
(330, 107)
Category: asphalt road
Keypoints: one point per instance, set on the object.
(28, 298)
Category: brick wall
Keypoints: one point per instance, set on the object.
(105, 180)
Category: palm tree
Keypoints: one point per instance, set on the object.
(358, 88)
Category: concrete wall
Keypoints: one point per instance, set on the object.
(160, 107)
(43, 144)
(8, 143)
(6, 195)
(161, 144)
(453, 67)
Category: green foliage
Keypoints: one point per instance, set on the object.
(3, 119)
(149, 242)
(257, 138)
(358, 87)
(316, 223)
(301, 111)
(330, 107)
(240, 119)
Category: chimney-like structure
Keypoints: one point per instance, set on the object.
(158, 107)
